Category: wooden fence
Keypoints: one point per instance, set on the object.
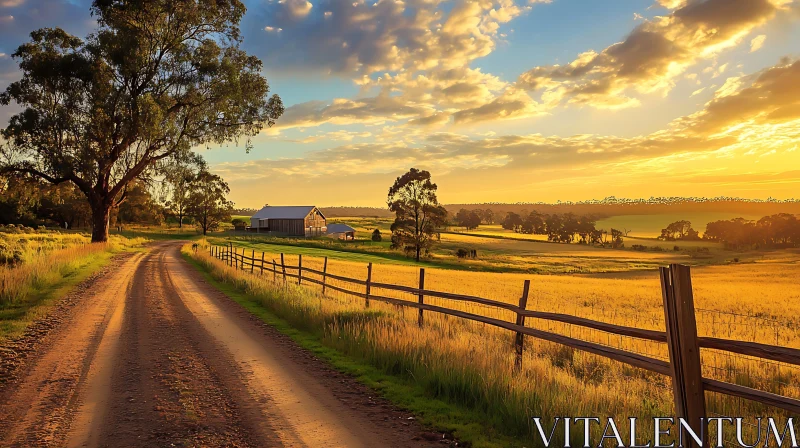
(681, 337)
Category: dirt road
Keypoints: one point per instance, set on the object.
(150, 355)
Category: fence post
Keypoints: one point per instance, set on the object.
(230, 257)
(252, 261)
(274, 271)
(684, 350)
(283, 267)
(262, 264)
(369, 280)
(520, 339)
(421, 297)
(299, 268)
(324, 274)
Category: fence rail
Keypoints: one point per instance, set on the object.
(681, 335)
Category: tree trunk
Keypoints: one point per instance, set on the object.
(101, 212)
(418, 250)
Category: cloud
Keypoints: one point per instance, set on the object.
(375, 110)
(757, 43)
(513, 104)
(418, 52)
(760, 118)
(341, 135)
(356, 38)
(740, 142)
(296, 9)
(772, 98)
(433, 120)
(652, 57)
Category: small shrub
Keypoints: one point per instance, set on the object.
(376, 236)
(638, 247)
(676, 248)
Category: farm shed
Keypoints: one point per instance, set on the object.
(304, 220)
(341, 231)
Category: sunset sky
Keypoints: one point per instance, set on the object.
(506, 101)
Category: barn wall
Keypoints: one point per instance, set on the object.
(316, 222)
(288, 226)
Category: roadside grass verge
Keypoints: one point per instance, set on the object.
(283, 311)
(29, 289)
(455, 374)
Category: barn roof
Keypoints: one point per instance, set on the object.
(339, 228)
(284, 212)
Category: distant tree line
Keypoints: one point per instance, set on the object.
(562, 228)
(780, 230)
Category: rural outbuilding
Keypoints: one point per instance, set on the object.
(303, 220)
(341, 231)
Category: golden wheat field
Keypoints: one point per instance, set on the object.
(757, 302)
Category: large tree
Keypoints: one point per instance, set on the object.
(179, 173)
(418, 215)
(157, 78)
(207, 202)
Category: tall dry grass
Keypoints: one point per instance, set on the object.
(41, 259)
(469, 363)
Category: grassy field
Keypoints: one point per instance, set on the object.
(469, 364)
(501, 250)
(41, 267)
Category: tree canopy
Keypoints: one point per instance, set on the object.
(779, 230)
(418, 215)
(207, 202)
(679, 230)
(156, 79)
(470, 219)
(179, 173)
